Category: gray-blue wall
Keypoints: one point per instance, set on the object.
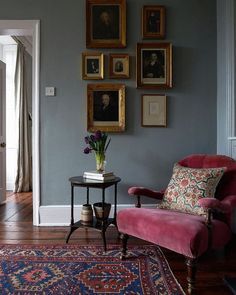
(140, 156)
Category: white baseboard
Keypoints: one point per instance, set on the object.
(60, 215)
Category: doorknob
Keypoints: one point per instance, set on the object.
(2, 144)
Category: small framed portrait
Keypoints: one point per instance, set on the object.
(154, 65)
(153, 22)
(92, 66)
(105, 23)
(119, 66)
(106, 107)
(153, 110)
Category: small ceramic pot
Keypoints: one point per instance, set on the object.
(99, 212)
(86, 214)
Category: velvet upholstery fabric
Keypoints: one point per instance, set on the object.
(214, 204)
(142, 191)
(181, 232)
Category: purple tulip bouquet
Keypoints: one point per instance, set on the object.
(97, 142)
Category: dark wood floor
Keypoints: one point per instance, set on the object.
(16, 228)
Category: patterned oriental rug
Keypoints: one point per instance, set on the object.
(73, 269)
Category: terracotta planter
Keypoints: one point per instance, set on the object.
(99, 212)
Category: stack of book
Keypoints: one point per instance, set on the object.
(96, 175)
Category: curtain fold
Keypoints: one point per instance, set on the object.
(23, 182)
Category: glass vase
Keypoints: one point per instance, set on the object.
(100, 161)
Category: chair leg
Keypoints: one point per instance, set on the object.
(191, 278)
(124, 240)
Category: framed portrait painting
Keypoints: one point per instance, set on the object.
(105, 23)
(153, 111)
(153, 22)
(106, 107)
(119, 66)
(92, 66)
(154, 65)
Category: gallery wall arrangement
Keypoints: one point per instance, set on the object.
(140, 154)
(106, 28)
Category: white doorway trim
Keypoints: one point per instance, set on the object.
(32, 28)
(226, 86)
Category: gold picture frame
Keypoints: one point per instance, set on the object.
(153, 22)
(153, 110)
(154, 65)
(106, 107)
(105, 23)
(92, 66)
(119, 66)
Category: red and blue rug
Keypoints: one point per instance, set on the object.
(73, 269)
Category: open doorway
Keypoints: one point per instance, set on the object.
(8, 51)
(18, 180)
(30, 28)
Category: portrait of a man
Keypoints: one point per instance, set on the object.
(119, 67)
(153, 21)
(153, 64)
(92, 65)
(105, 22)
(106, 106)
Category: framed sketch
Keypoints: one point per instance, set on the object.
(106, 107)
(154, 65)
(105, 23)
(119, 66)
(92, 66)
(153, 22)
(153, 110)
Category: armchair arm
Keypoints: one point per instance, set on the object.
(214, 204)
(142, 191)
(230, 200)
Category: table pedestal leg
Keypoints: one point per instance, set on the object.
(71, 214)
(103, 233)
(72, 229)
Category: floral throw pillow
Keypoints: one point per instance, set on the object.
(188, 185)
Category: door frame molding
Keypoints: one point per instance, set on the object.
(32, 28)
(226, 86)
(3, 135)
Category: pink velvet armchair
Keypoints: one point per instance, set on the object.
(186, 234)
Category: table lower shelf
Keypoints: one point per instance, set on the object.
(95, 224)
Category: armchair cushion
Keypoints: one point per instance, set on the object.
(188, 185)
(180, 232)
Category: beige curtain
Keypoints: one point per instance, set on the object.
(23, 181)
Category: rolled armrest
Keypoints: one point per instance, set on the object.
(214, 204)
(142, 191)
(230, 200)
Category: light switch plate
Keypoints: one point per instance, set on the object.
(50, 91)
